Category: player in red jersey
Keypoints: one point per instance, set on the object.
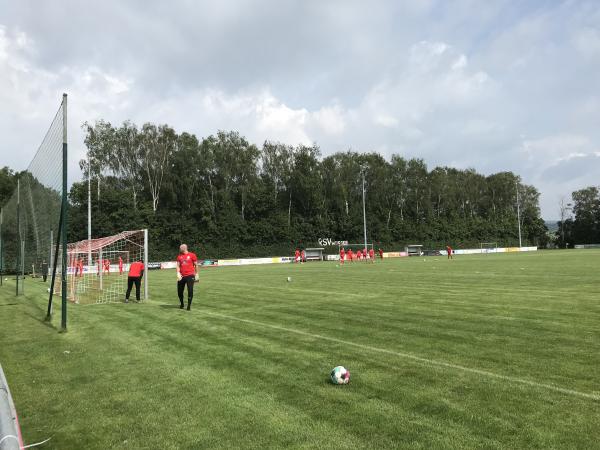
(372, 255)
(342, 255)
(187, 273)
(80, 262)
(136, 272)
(121, 266)
(297, 256)
(449, 251)
(107, 266)
(303, 255)
(349, 255)
(359, 255)
(381, 253)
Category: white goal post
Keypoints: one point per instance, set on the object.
(98, 268)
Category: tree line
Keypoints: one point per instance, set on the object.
(580, 219)
(226, 196)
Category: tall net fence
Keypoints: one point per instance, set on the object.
(98, 269)
(30, 218)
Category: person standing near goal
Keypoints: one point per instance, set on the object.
(136, 272)
(449, 251)
(186, 274)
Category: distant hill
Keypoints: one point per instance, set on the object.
(552, 225)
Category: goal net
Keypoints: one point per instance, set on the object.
(33, 221)
(489, 247)
(98, 268)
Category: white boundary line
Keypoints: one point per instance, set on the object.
(420, 359)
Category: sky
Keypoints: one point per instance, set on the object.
(494, 85)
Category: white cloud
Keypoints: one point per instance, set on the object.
(492, 85)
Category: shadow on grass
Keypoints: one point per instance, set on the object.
(48, 323)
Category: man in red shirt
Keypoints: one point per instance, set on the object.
(187, 273)
(359, 254)
(303, 255)
(372, 255)
(350, 256)
(342, 255)
(107, 266)
(297, 256)
(120, 266)
(81, 267)
(381, 253)
(449, 251)
(136, 272)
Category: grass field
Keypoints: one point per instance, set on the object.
(496, 351)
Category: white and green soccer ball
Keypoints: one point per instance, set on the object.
(340, 375)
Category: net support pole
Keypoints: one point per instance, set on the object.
(18, 236)
(63, 321)
(22, 265)
(1, 248)
(50, 252)
(146, 264)
(54, 267)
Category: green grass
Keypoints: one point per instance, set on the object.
(497, 351)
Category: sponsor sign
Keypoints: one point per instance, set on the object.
(168, 265)
(207, 262)
(394, 254)
(229, 262)
(154, 266)
(328, 242)
(286, 259)
(251, 261)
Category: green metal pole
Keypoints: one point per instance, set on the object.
(63, 323)
(18, 237)
(1, 248)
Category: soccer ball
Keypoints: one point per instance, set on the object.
(340, 375)
(289, 279)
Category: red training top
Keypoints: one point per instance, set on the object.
(187, 263)
(136, 269)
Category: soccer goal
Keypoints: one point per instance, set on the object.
(488, 247)
(98, 268)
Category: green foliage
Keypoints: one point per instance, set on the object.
(584, 226)
(226, 197)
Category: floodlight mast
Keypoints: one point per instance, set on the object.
(364, 208)
(89, 212)
(518, 213)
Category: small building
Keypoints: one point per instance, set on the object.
(314, 254)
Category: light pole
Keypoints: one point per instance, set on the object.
(364, 207)
(518, 213)
(89, 224)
